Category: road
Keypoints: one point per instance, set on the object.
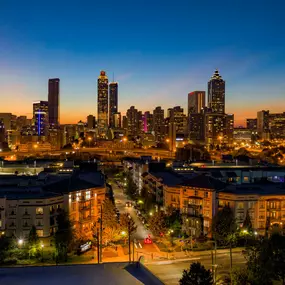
(169, 272)
(120, 201)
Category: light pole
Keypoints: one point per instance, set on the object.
(89, 139)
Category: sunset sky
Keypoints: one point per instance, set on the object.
(158, 50)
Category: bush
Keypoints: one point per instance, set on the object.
(10, 261)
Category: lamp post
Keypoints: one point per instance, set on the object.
(89, 139)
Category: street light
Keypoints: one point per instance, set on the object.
(89, 139)
(20, 242)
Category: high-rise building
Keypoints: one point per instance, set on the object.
(40, 117)
(113, 102)
(263, 124)
(172, 136)
(2, 131)
(117, 120)
(251, 124)
(53, 102)
(7, 120)
(158, 124)
(102, 104)
(229, 129)
(90, 122)
(196, 127)
(125, 124)
(277, 125)
(216, 93)
(196, 102)
(214, 128)
(147, 122)
(21, 121)
(177, 116)
(134, 118)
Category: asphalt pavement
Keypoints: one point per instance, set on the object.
(120, 201)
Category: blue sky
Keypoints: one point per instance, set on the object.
(158, 50)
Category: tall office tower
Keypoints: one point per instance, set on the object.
(7, 120)
(196, 102)
(214, 128)
(125, 125)
(2, 131)
(216, 93)
(177, 116)
(90, 122)
(134, 118)
(158, 124)
(21, 122)
(263, 124)
(147, 122)
(102, 104)
(172, 136)
(113, 102)
(277, 125)
(251, 124)
(53, 102)
(117, 120)
(40, 117)
(229, 129)
(196, 127)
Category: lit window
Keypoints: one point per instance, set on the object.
(240, 205)
(206, 194)
(40, 233)
(245, 179)
(39, 211)
(87, 195)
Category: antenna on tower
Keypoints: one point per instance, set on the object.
(113, 77)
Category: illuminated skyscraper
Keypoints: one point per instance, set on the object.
(134, 118)
(158, 124)
(113, 102)
(90, 122)
(216, 93)
(40, 117)
(196, 102)
(53, 102)
(102, 104)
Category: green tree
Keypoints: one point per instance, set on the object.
(247, 225)
(5, 244)
(34, 243)
(278, 251)
(63, 237)
(131, 188)
(240, 277)
(127, 224)
(224, 226)
(111, 229)
(196, 275)
(157, 223)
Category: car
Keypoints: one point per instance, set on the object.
(128, 204)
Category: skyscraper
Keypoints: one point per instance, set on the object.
(216, 93)
(90, 122)
(113, 102)
(196, 102)
(134, 118)
(176, 115)
(263, 124)
(102, 104)
(158, 124)
(53, 102)
(40, 117)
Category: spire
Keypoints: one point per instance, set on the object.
(216, 75)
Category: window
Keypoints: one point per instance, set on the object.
(206, 213)
(39, 222)
(240, 205)
(206, 194)
(206, 224)
(196, 192)
(245, 179)
(250, 204)
(40, 233)
(39, 211)
(73, 206)
(87, 195)
(0, 223)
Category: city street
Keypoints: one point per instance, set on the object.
(169, 272)
(120, 201)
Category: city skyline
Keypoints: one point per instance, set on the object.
(159, 61)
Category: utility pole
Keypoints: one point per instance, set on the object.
(101, 233)
(98, 246)
(129, 233)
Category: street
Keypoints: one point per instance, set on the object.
(169, 272)
(120, 201)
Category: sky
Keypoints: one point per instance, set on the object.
(158, 51)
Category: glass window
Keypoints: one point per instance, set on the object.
(40, 233)
(39, 211)
(87, 195)
(196, 193)
(245, 179)
(206, 194)
(240, 205)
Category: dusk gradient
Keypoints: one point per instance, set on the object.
(159, 51)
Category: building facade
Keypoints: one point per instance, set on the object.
(216, 93)
(53, 102)
(40, 117)
(196, 102)
(102, 104)
(113, 102)
(158, 124)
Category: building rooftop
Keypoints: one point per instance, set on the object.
(108, 274)
(203, 181)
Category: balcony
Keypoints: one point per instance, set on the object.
(25, 226)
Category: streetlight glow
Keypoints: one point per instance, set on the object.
(20, 242)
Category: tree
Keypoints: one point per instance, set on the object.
(247, 225)
(196, 275)
(63, 236)
(34, 243)
(278, 251)
(224, 226)
(111, 229)
(157, 223)
(127, 224)
(5, 244)
(132, 188)
(240, 277)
